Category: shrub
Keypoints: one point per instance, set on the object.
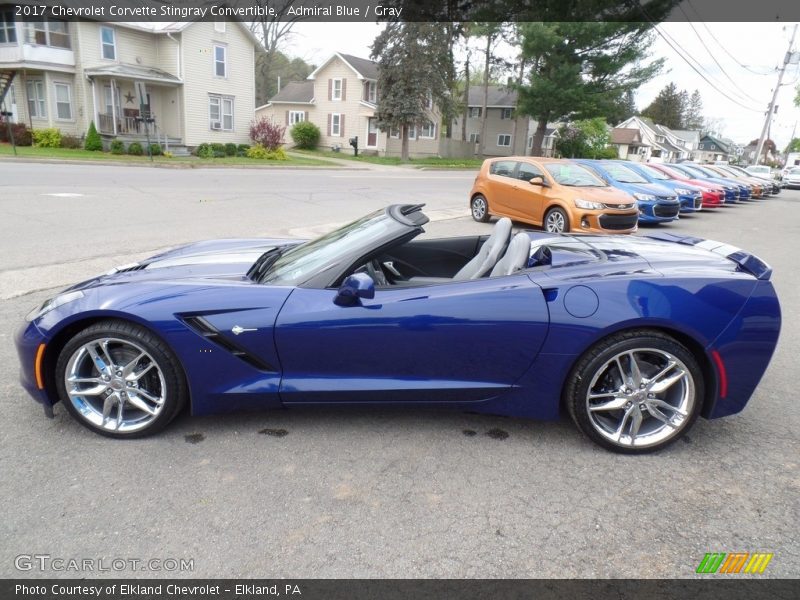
(168, 154)
(117, 147)
(47, 138)
(306, 135)
(608, 153)
(230, 149)
(219, 154)
(22, 135)
(135, 149)
(261, 153)
(241, 149)
(93, 140)
(267, 133)
(72, 142)
(155, 149)
(204, 151)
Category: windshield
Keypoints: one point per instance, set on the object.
(795, 171)
(623, 174)
(706, 172)
(300, 262)
(754, 169)
(654, 173)
(695, 172)
(573, 175)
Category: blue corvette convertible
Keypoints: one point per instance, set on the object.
(634, 337)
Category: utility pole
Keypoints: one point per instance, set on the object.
(771, 109)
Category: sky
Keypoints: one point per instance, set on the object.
(738, 94)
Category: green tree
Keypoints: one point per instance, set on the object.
(588, 138)
(668, 107)
(93, 140)
(271, 68)
(693, 115)
(794, 146)
(412, 69)
(579, 68)
(621, 107)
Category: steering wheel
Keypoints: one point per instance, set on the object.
(375, 271)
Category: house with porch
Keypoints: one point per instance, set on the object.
(341, 97)
(629, 144)
(198, 79)
(711, 149)
(660, 143)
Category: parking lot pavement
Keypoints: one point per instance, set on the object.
(383, 493)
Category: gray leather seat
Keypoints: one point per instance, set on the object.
(488, 255)
(516, 257)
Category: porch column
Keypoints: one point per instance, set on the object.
(94, 104)
(114, 105)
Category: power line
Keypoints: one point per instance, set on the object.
(696, 70)
(741, 94)
(721, 45)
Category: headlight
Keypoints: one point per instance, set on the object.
(52, 303)
(683, 192)
(589, 205)
(646, 197)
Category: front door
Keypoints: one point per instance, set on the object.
(372, 132)
(456, 342)
(527, 200)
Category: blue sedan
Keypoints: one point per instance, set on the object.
(634, 337)
(657, 204)
(690, 196)
(733, 191)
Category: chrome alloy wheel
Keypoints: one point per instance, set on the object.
(555, 222)
(641, 397)
(478, 208)
(115, 384)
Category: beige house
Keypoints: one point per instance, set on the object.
(341, 97)
(629, 144)
(198, 78)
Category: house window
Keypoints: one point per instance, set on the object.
(372, 91)
(63, 101)
(36, 100)
(296, 116)
(503, 139)
(108, 43)
(713, 147)
(475, 112)
(505, 113)
(474, 138)
(412, 132)
(428, 130)
(336, 124)
(219, 26)
(49, 33)
(220, 61)
(336, 90)
(395, 133)
(220, 113)
(8, 31)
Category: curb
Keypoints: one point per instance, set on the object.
(166, 165)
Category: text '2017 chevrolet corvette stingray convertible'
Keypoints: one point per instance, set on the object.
(634, 337)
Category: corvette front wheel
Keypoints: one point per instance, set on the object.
(119, 380)
(635, 392)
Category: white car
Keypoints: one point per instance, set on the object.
(792, 178)
(760, 171)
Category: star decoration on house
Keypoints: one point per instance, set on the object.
(129, 98)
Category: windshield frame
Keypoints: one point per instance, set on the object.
(323, 261)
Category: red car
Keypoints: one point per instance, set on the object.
(713, 195)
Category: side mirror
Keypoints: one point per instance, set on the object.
(355, 287)
(538, 180)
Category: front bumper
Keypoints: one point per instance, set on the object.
(27, 340)
(658, 212)
(691, 202)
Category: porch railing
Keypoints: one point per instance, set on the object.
(125, 124)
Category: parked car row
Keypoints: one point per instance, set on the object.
(606, 196)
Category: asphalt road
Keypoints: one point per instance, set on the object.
(366, 493)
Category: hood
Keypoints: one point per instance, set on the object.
(606, 195)
(224, 260)
(653, 189)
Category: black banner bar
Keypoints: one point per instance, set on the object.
(706, 588)
(372, 11)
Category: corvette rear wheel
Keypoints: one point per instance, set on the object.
(635, 392)
(480, 209)
(118, 379)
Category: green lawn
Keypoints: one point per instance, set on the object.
(435, 162)
(188, 161)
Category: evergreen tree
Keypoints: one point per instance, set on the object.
(693, 117)
(412, 68)
(93, 140)
(667, 108)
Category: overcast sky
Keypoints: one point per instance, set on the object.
(749, 53)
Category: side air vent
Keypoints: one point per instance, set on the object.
(211, 333)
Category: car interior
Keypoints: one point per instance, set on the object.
(429, 262)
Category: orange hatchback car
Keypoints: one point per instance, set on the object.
(558, 195)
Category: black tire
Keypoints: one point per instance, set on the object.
(167, 379)
(648, 348)
(479, 207)
(556, 221)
